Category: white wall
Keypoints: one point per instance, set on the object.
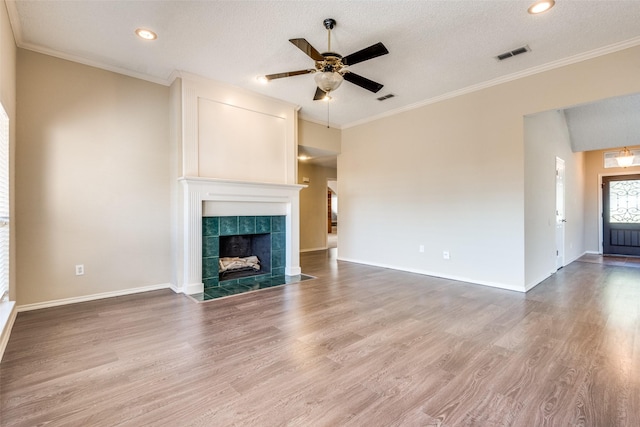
(450, 175)
(546, 136)
(92, 181)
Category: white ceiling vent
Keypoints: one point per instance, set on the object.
(513, 53)
(383, 98)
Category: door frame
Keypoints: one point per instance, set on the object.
(560, 225)
(601, 207)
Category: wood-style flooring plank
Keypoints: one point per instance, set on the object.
(357, 346)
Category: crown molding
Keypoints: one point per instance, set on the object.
(505, 79)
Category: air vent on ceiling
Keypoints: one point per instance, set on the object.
(382, 98)
(513, 53)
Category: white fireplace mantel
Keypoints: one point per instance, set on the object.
(231, 196)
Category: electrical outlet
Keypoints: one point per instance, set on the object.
(421, 248)
(445, 255)
(79, 269)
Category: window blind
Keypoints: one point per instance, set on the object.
(4, 204)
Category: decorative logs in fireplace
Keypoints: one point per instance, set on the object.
(229, 264)
(244, 255)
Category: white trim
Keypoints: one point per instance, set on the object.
(84, 298)
(504, 79)
(592, 253)
(440, 275)
(8, 315)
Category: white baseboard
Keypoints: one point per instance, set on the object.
(84, 298)
(8, 314)
(505, 286)
(592, 253)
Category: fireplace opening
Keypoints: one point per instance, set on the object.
(244, 255)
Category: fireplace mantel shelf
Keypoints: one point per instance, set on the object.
(201, 180)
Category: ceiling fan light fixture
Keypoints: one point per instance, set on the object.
(541, 6)
(328, 80)
(262, 79)
(625, 158)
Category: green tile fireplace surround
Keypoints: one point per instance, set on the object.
(219, 226)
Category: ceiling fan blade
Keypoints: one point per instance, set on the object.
(311, 51)
(287, 74)
(363, 82)
(320, 94)
(365, 54)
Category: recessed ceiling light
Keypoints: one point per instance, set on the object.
(541, 6)
(262, 79)
(303, 157)
(146, 34)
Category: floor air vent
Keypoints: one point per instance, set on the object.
(513, 52)
(382, 98)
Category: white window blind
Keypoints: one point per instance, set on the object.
(4, 204)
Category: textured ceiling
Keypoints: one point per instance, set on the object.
(436, 47)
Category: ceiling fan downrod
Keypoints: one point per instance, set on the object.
(329, 23)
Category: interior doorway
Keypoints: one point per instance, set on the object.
(332, 213)
(561, 218)
(621, 215)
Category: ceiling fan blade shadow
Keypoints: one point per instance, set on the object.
(287, 74)
(306, 47)
(320, 94)
(365, 54)
(363, 82)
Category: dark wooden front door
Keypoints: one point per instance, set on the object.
(621, 215)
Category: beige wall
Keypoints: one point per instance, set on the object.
(313, 206)
(8, 99)
(92, 180)
(314, 135)
(450, 176)
(594, 161)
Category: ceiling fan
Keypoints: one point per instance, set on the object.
(332, 68)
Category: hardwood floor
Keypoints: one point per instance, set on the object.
(359, 346)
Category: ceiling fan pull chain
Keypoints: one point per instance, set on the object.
(328, 113)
